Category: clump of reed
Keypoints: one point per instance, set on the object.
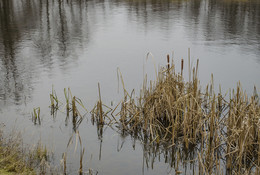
(171, 111)
(168, 109)
(243, 132)
(36, 116)
(71, 105)
(54, 102)
(97, 112)
(100, 112)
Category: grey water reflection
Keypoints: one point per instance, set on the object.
(226, 22)
(177, 158)
(38, 33)
(82, 42)
(46, 33)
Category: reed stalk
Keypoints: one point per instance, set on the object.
(36, 115)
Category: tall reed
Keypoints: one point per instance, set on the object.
(171, 111)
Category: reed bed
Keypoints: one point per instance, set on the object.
(218, 133)
(168, 109)
(243, 132)
(174, 113)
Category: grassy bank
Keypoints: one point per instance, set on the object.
(16, 159)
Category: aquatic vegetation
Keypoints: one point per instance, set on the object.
(218, 133)
(100, 111)
(54, 99)
(36, 116)
(67, 95)
(175, 113)
(71, 105)
(243, 132)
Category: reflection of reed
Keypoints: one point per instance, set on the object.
(100, 126)
(18, 22)
(81, 151)
(63, 28)
(11, 78)
(12, 26)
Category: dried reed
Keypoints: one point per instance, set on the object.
(36, 115)
(171, 111)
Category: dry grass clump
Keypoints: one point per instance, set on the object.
(15, 159)
(71, 105)
(243, 132)
(170, 112)
(12, 160)
(168, 109)
(171, 107)
(176, 118)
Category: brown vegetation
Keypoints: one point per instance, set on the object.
(169, 111)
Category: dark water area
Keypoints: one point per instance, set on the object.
(77, 43)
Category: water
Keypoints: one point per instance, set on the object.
(76, 44)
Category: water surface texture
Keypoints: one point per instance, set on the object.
(78, 43)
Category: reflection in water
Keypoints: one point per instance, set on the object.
(39, 37)
(30, 30)
(60, 32)
(179, 159)
(56, 31)
(10, 80)
(224, 22)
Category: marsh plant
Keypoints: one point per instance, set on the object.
(175, 113)
(219, 133)
(36, 116)
(71, 105)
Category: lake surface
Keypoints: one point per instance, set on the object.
(78, 44)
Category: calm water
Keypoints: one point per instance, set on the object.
(77, 43)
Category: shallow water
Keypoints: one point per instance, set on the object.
(76, 44)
